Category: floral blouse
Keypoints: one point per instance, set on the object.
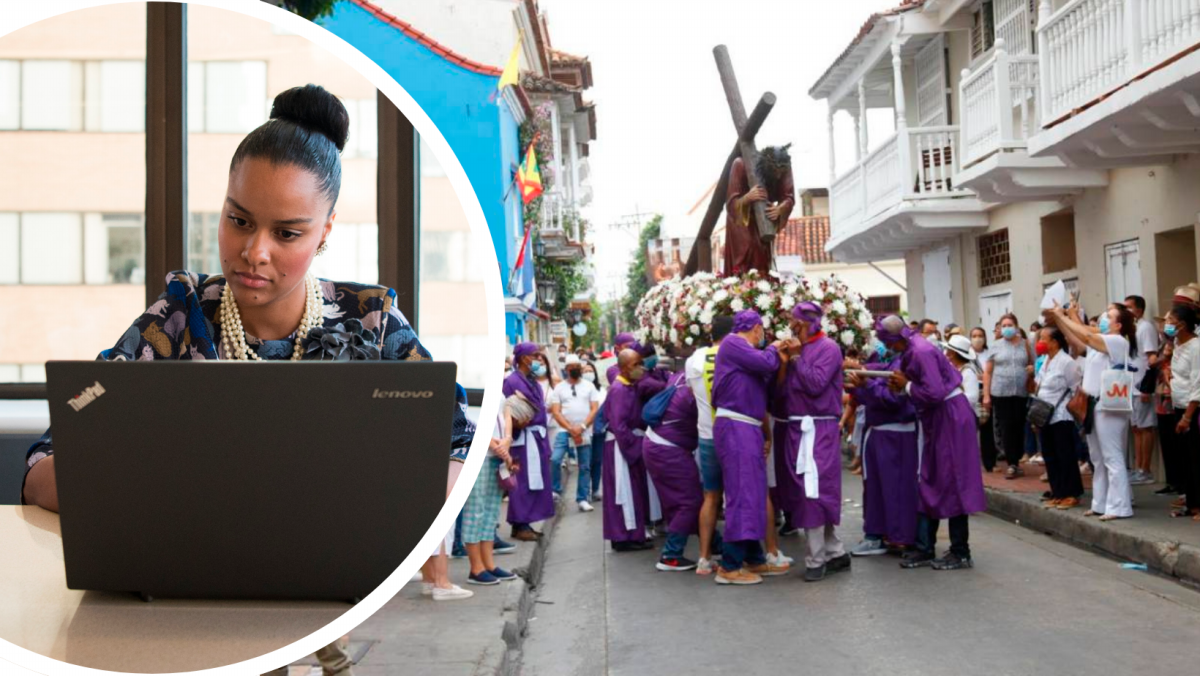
(363, 319)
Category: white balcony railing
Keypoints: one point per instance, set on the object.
(914, 165)
(999, 105)
(1090, 47)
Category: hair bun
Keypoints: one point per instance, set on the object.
(315, 109)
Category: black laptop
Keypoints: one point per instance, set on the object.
(234, 480)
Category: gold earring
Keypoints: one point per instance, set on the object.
(321, 249)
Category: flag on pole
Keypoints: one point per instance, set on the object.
(511, 74)
(516, 279)
(529, 178)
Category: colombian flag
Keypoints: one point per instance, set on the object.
(529, 179)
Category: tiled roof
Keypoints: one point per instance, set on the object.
(864, 31)
(559, 56)
(805, 237)
(545, 85)
(433, 45)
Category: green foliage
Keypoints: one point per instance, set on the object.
(309, 9)
(636, 283)
(568, 279)
(595, 326)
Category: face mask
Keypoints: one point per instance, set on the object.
(977, 343)
(637, 374)
(1037, 363)
(1042, 348)
(590, 377)
(574, 373)
(538, 369)
(881, 350)
(1104, 324)
(1008, 332)
(651, 362)
(1170, 330)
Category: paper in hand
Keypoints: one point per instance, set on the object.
(1056, 293)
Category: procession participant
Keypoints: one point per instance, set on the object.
(700, 368)
(889, 450)
(668, 450)
(950, 479)
(651, 383)
(625, 502)
(744, 248)
(810, 468)
(532, 500)
(1111, 345)
(740, 381)
(621, 342)
(573, 404)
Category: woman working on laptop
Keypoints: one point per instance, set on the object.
(283, 186)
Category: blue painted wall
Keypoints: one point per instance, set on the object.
(477, 125)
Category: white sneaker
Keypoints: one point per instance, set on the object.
(780, 559)
(454, 593)
(585, 506)
(704, 567)
(427, 589)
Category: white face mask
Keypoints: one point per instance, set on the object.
(590, 377)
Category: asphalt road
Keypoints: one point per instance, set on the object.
(1031, 605)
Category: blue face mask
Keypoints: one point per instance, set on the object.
(1104, 324)
(762, 342)
(538, 369)
(650, 362)
(1170, 330)
(882, 351)
(1008, 332)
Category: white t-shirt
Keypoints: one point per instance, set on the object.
(1057, 377)
(1185, 373)
(694, 371)
(970, 385)
(1147, 342)
(576, 405)
(552, 427)
(1099, 362)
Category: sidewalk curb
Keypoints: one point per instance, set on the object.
(1172, 558)
(519, 600)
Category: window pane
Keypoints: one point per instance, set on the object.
(10, 270)
(236, 94)
(61, 263)
(123, 96)
(52, 95)
(195, 96)
(10, 96)
(51, 248)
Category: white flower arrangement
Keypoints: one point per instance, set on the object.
(848, 338)
(737, 305)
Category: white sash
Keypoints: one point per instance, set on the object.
(655, 503)
(533, 457)
(772, 481)
(734, 415)
(806, 461)
(956, 392)
(890, 427)
(659, 440)
(624, 496)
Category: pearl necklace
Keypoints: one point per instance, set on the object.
(233, 336)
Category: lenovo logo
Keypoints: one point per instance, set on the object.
(402, 394)
(86, 397)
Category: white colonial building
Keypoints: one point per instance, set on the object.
(1033, 141)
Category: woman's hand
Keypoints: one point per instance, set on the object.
(1185, 423)
(897, 381)
(987, 402)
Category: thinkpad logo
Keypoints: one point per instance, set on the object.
(402, 394)
(86, 397)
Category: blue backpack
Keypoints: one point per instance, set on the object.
(656, 408)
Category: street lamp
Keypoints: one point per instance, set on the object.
(548, 292)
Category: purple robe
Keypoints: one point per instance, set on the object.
(814, 388)
(740, 383)
(525, 505)
(612, 373)
(889, 460)
(623, 410)
(672, 465)
(951, 480)
(777, 407)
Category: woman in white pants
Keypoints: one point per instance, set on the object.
(1112, 345)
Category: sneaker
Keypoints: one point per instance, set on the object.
(767, 569)
(916, 559)
(814, 574)
(1140, 478)
(675, 564)
(458, 551)
(1037, 459)
(780, 559)
(739, 576)
(454, 593)
(426, 589)
(502, 575)
(704, 566)
(952, 561)
(484, 577)
(838, 564)
(501, 547)
(597, 496)
(585, 506)
(869, 547)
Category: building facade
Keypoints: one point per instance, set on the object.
(1056, 136)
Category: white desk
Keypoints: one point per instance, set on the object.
(120, 632)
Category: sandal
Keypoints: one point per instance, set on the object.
(1113, 517)
(1092, 513)
(1185, 512)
